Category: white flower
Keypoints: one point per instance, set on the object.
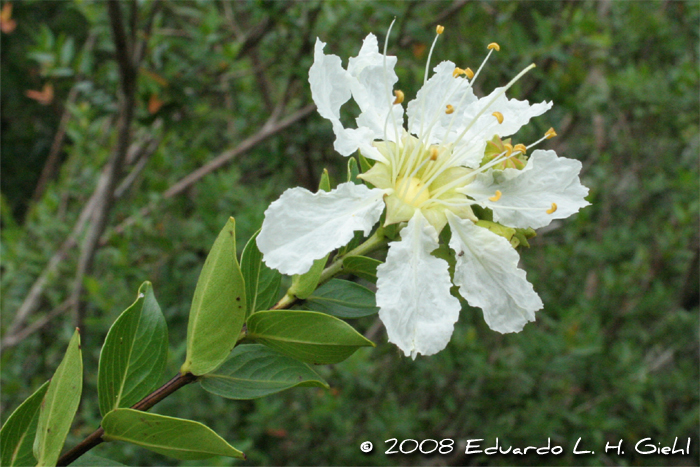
(451, 157)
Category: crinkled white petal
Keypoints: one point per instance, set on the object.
(330, 83)
(516, 114)
(332, 86)
(527, 195)
(349, 140)
(413, 292)
(301, 226)
(426, 113)
(488, 276)
(371, 87)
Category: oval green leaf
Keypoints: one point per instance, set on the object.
(306, 335)
(173, 437)
(362, 266)
(343, 299)
(18, 432)
(133, 357)
(59, 405)
(262, 284)
(218, 307)
(256, 371)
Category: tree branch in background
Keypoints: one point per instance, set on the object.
(267, 130)
(105, 197)
(16, 333)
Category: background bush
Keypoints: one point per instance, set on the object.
(614, 353)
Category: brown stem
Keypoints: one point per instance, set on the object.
(144, 404)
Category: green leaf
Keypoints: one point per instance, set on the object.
(17, 434)
(59, 405)
(262, 284)
(343, 299)
(353, 171)
(91, 460)
(256, 371)
(362, 266)
(306, 335)
(365, 164)
(218, 307)
(325, 182)
(303, 285)
(134, 354)
(174, 437)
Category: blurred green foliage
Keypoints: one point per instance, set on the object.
(614, 353)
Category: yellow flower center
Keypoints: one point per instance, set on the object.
(410, 191)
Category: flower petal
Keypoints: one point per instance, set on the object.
(413, 292)
(426, 113)
(330, 83)
(372, 90)
(470, 148)
(332, 86)
(301, 226)
(488, 276)
(527, 195)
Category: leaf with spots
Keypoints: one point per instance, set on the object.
(59, 405)
(218, 307)
(174, 437)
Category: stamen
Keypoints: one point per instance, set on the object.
(433, 154)
(468, 71)
(520, 148)
(499, 116)
(457, 72)
(493, 99)
(399, 97)
(449, 109)
(439, 29)
(552, 209)
(391, 110)
(497, 196)
(550, 133)
(495, 46)
(509, 149)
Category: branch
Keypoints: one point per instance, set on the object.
(105, 199)
(11, 340)
(144, 404)
(267, 130)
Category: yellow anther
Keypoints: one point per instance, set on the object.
(509, 149)
(433, 154)
(499, 116)
(497, 196)
(520, 147)
(439, 29)
(458, 71)
(550, 133)
(493, 45)
(449, 109)
(552, 209)
(469, 73)
(399, 97)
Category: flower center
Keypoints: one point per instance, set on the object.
(412, 190)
